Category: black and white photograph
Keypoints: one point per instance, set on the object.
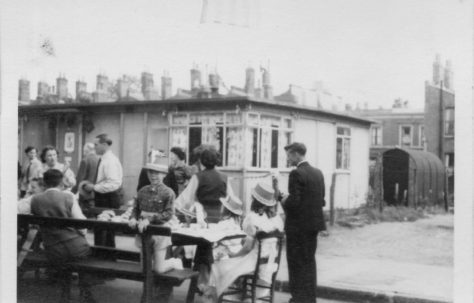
(236, 151)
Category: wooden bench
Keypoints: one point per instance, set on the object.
(126, 264)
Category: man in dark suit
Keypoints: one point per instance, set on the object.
(87, 171)
(304, 219)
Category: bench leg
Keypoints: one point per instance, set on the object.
(65, 280)
(192, 290)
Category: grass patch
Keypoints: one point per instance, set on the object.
(369, 215)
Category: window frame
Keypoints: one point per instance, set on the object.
(245, 125)
(379, 128)
(343, 137)
(445, 122)
(400, 134)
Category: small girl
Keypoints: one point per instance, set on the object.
(231, 219)
(154, 205)
(261, 218)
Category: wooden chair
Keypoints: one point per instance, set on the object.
(247, 285)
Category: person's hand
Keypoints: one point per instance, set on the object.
(132, 223)
(142, 225)
(88, 187)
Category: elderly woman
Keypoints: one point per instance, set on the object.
(49, 157)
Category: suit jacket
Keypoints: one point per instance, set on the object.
(35, 168)
(87, 170)
(304, 205)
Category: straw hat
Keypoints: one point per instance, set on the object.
(156, 167)
(264, 194)
(87, 195)
(233, 204)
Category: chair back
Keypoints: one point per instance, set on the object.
(269, 251)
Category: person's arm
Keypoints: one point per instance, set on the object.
(295, 188)
(246, 247)
(81, 175)
(230, 191)
(323, 190)
(24, 206)
(76, 213)
(113, 177)
(69, 178)
(187, 197)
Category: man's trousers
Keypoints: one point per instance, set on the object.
(300, 253)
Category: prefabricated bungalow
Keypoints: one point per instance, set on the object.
(249, 132)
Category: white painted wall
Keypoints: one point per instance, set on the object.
(306, 132)
(320, 140)
(360, 143)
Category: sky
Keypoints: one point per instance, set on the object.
(370, 51)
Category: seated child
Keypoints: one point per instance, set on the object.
(154, 205)
(261, 218)
(231, 215)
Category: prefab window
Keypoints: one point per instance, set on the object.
(343, 148)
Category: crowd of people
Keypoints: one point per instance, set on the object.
(180, 194)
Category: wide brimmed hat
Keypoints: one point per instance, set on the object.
(233, 204)
(264, 194)
(86, 195)
(156, 167)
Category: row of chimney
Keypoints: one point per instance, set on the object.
(443, 75)
(148, 91)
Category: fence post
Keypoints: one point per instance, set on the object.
(331, 199)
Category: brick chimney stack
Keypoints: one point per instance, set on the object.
(195, 79)
(147, 85)
(267, 88)
(61, 84)
(102, 84)
(250, 81)
(43, 90)
(123, 87)
(448, 75)
(166, 85)
(437, 70)
(24, 91)
(81, 87)
(214, 83)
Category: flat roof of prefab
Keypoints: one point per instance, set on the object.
(185, 103)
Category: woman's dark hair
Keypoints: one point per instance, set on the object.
(178, 152)
(29, 148)
(52, 178)
(209, 158)
(45, 150)
(257, 206)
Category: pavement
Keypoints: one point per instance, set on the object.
(340, 279)
(116, 291)
(369, 280)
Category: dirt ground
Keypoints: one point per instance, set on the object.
(426, 241)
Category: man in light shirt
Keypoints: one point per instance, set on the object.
(108, 185)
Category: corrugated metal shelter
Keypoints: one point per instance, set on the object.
(413, 178)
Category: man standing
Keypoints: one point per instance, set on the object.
(108, 185)
(87, 170)
(304, 219)
(30, 169)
